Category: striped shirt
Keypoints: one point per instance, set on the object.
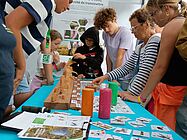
(147, 59)
(35, 33)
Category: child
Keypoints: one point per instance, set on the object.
(89, 57)
(39, 77)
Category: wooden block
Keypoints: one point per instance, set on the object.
(60, 96)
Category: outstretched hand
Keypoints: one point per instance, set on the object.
(62, 65)
(100, 79)
(125, 95)
(81, 76)
(79, 56)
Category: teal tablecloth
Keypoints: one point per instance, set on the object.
(38, 100)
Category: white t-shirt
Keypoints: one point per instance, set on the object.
(122, 39)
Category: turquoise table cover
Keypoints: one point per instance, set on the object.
(37, 99)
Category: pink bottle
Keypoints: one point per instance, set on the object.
(105, 103)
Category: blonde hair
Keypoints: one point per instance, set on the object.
(178, 5)
(55, 35)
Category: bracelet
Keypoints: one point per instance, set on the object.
(143, 99)
(46, 58)
(139, 100)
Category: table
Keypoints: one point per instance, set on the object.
(38, 98)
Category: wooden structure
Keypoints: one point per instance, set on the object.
(66, 94)
(60, 97)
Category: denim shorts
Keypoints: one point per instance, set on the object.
(23, 86)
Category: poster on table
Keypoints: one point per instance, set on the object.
(72, 24)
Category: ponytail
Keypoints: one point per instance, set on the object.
(182, 7)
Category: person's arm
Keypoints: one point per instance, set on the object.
(108, 60)
(100, 79)
(108, 63)
(16, 20)
(147, 63)
(167, 46)
(123, 70)
(118, 72)
(139, 81)
(119, 59)
(56, 57)
(48, 68)
(125, 44)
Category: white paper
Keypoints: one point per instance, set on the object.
(121, 106)
(21, 121)
(141, 133)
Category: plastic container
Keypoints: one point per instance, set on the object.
(87, 102)
(114, 87)
(105, 103)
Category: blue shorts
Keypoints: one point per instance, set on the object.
(23, 86)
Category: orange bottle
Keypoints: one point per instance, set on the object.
(87, 102)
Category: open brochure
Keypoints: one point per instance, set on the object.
(52, 132)
(49, 126)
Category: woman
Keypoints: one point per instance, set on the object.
(144, 57)
(170, 69)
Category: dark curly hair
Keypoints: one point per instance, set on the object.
(103, 16)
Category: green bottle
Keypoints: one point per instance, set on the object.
(114, 87)
(48, 39)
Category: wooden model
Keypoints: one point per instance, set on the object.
(66, 94)
(60, 97)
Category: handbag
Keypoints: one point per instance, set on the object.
(181, 43)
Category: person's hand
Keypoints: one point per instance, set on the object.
(125, 95)
(79, 56)
(99, 80)
(116, 82)
(81, 76)
(56, 58)
(62, 64)
(18, 78)
(44, 82)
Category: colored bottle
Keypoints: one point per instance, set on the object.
(48, 39)
(105, 103)
(114, 87)
(87, 102)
